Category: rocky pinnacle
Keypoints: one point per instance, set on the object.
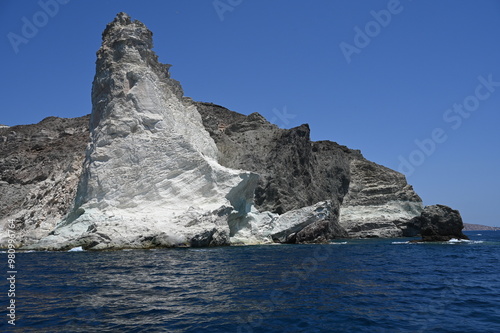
(150, 176)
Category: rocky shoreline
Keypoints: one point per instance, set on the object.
(153, 168)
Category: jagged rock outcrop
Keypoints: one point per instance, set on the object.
(439, 223)
(163, 170)
(294, 171)
(150, 168)
(373, 201)
(379, 202)
(39, 170)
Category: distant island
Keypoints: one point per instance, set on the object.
(478, 227)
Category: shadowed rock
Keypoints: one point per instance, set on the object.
(439, 223)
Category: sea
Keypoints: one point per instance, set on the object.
(368, 285)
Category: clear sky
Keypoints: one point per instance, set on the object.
(415, 85)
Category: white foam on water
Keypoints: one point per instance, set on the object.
(467, 241)
(76, 249)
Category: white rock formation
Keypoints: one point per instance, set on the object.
(266, 228)
(378, 220)
(150, 176)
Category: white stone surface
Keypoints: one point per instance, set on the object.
(151, 168)
(378, 220)
(263, 228)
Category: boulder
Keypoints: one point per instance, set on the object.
(439, 223)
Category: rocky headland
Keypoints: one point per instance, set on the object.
(153, 168)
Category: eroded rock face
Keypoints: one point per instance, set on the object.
(373, 201)
(379, 203)
(440, 223)
(39, 170)
(151, 167)
(311, 224)
(295, 173)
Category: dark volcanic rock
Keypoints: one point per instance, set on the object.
(39, 170)
(320, 232)
(439, 223)
(294, 171)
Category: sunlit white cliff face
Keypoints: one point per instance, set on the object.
(150, 174)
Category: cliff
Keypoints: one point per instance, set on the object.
(379, 202)
(150, 175)
(39, 170)
(153, 168)
(294, 172)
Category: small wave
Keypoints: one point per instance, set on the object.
(76, 249)
(407, 242)
(338, 243)
(466, 241)
(454, 240)
(479, 234)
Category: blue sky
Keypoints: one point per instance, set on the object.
(414, 84)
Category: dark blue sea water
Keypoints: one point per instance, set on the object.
(351, 286)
